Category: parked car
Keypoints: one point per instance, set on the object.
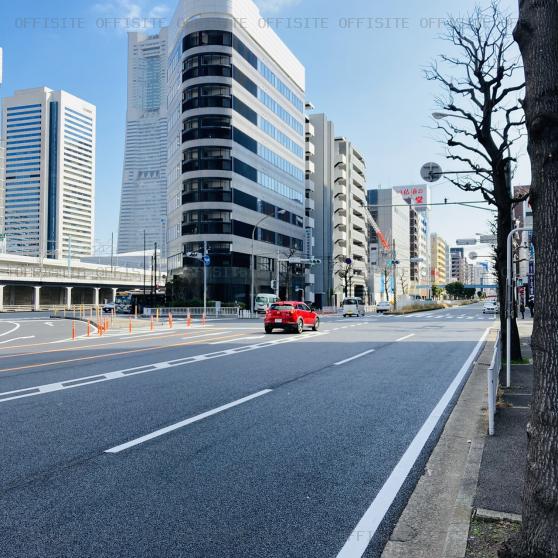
(353, 307)
(290, 316)
(383, 306)
(263, 301)
(109, 308)
(490, 307)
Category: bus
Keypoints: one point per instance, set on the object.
(127, 302)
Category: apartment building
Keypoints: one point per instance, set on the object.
(438, 258)
(49, 173)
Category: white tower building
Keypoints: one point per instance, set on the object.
(144, 180)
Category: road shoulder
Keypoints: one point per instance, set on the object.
(436, 519)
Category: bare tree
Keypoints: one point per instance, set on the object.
(404, 282)
(537, 36)
(482, 82)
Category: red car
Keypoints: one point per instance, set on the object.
(293, 316)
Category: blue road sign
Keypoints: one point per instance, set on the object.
(206, 260)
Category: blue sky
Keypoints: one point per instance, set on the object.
(366, 77)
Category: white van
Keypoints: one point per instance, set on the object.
(353, 307)
(263, 301)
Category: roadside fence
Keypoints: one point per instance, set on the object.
(493, 378)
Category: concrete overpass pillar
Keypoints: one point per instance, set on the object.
(69, 297)
(96, 296)
(37, 299)
(2, 298)
(114, 289)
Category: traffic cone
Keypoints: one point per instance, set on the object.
(73, 330)
(189, 320)
(151, 324)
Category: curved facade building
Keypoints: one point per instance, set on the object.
(236, 150)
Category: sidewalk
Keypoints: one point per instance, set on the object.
(469, 470)
(500, 483)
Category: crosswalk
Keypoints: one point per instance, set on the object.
(420, 316)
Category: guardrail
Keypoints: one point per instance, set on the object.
(493, 377)
(223, 312)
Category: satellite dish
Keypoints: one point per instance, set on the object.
(431, 172)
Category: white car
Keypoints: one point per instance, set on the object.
(383, 306)
(491, 308)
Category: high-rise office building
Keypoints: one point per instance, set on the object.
(236, 148)
(458, 265)
(49, 173)
(143, 204)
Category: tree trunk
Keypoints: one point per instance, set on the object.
(537, 36)
(503, 229)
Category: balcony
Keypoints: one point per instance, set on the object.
(339, 205)
(310, 130)
(310, 148)
(310, 186)
(340, 221)
(309, 222)
(310, 204)
(341, 162)
(339, 191)
(359, 238)
(310, 167)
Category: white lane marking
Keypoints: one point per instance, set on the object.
(11, 330)
(31, 391)
(354, 357)
(182, 424)
(17, 339)
(406, 337)
(237, 340)
(356, 543)
(49, 324)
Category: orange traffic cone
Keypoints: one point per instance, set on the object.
(73, 330)
(151, 324)
(189, 320)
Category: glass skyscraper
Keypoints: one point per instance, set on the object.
(49, 177)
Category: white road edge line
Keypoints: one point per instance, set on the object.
(406, 337)
(357, 543)
(354, 357)
(16, 339)
(197, 418)
(10, 331)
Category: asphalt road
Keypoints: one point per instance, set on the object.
(221, 441)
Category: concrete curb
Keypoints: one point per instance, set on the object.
(437, 517)
(497, 516)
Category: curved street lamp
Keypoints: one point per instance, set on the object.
(252, 265)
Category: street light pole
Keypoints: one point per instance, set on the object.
(204, 278)
(252, 258)
(509, 300)
(252, 263)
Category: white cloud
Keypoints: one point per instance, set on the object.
(124, 11)
(275, 6)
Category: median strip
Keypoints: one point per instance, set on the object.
(182, 424)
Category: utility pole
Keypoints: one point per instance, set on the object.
(204, 278)
(155, 271)
(144, 266)
(394, 263)
(277, 276)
